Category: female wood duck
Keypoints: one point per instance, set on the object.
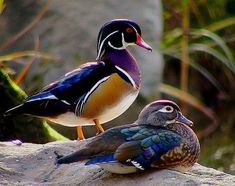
(160, 138)
(96, 92)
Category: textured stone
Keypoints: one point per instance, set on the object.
(29, 164)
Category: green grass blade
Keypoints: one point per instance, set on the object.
(1, 6)
(171, 37)
(219, 25)
(217, 39)
(221, 58)
(204, 72)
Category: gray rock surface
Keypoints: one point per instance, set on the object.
(29, 164)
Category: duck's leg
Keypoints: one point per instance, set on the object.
(80, 133)
(98, 126)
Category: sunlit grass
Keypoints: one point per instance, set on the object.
(2, 5)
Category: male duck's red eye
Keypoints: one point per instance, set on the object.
(129, 30)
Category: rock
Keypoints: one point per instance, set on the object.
(29, 164)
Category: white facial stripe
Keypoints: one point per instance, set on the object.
(102, 53)
(117, 48)
(100, 46)
(81, 103)
(127, 75)
(101, 43)
(124, 44)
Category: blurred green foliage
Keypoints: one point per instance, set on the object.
(199, 47)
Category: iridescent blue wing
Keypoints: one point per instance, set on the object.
(78, 82)
(115, 136)
(102, 147)
(74, 84)
(143, 152)
(63, 95)
(139, 146)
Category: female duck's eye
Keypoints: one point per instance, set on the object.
(169, 109)
(166, 109)
(129, 30)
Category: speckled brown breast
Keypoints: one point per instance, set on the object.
(109, 96)
(183, 157)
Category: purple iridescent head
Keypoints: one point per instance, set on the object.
(117, 35)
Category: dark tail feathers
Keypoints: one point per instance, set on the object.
(74, 157)
(15, 110)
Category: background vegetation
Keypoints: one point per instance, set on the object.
(198, 46)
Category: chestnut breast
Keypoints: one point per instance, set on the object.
(110, 99)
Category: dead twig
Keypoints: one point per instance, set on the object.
(15, 55)
(22, 74)
(12, 39)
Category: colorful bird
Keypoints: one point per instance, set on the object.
(160, 138)
(96, 92)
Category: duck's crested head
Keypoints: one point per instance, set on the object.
(117, 35)
(162, 113)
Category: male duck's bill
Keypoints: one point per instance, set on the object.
(140, 42)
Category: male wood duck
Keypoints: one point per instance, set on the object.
(96, 92)
(160, 138)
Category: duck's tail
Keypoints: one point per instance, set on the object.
(19, 109)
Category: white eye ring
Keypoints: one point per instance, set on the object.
(166, 109)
